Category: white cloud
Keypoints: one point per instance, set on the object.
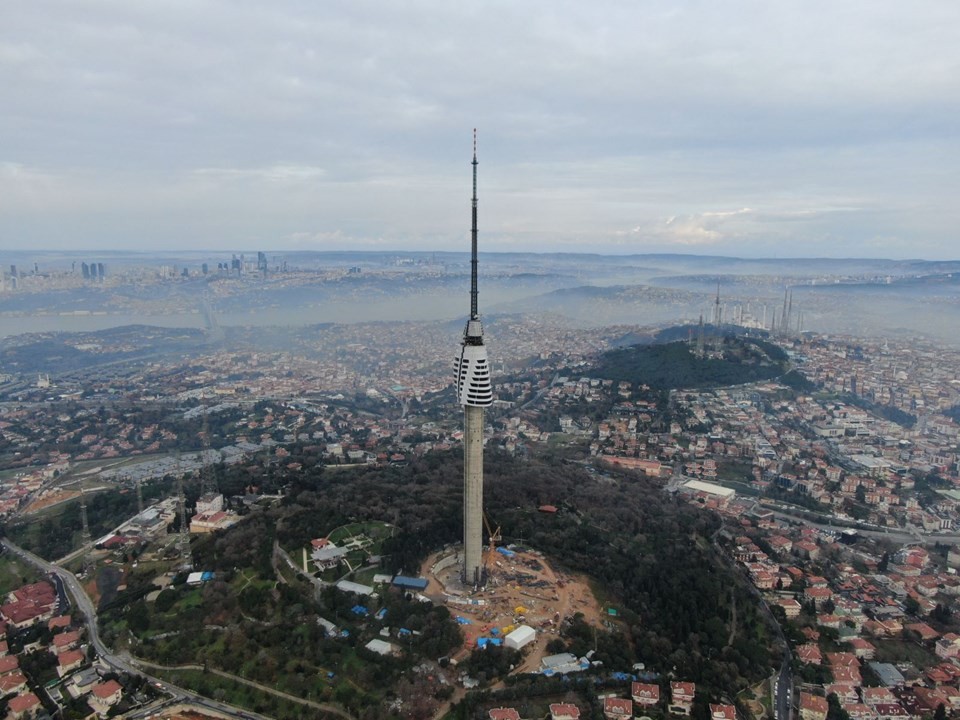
(593, 118)
(273, 174)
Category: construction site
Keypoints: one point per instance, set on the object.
(521, 589)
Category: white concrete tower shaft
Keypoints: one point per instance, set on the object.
(473, 495)
(474, 393)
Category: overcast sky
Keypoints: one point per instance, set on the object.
(754, 128)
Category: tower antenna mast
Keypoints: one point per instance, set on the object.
(474, 314)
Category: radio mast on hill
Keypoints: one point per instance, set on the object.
(474, 393)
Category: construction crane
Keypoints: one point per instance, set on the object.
(495, 535)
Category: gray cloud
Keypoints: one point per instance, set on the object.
(348, 123)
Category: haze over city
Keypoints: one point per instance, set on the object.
(748, 129)
(698, 454)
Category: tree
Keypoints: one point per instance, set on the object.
(834, 710)
(911, 606)
(941, 613)
(165, 600)
(884, 561)
(138, 617)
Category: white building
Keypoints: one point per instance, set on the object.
(523, 635)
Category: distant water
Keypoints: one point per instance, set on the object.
(417, 308)
(90, 323)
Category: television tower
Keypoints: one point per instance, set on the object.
(474, 393)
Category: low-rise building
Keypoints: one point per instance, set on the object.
(722, 712)
(813, 707)
(564, 711)
(105, 695)
(617, 708)
(66, 641)
(681, 697)
(13, 683)
(69, 661)
(23, 705)
(645, 694)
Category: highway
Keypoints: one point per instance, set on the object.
(64, 579)
(783, 700)
(830, 524)
(783, 685)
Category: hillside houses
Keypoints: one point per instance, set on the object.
(75, 676)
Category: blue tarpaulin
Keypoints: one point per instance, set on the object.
(506, 553)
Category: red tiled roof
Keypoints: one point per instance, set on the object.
(645, 691)
(22, 703)
(813, 703)
(618, 707)
(105, 690)
(11, 681)
(723, 712)
(70, 657)
(60, 621)
(64, 639)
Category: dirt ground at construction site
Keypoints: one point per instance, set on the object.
(522, 588)
(182, 712)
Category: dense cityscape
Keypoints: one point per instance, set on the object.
(829, 463)
(501, 361)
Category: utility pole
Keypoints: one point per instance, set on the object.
(183, 540)
(85, 539)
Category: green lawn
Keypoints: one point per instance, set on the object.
(894, 650)
(192, 599)
(13, 574)
(235, 693)
(365, 576)
(373, 530)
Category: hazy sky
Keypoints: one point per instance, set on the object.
(753, 128)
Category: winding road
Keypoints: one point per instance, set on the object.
(64, 579)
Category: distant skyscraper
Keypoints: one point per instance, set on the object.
(474, 393)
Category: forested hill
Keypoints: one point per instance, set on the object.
(651, 552)
(676, 365)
